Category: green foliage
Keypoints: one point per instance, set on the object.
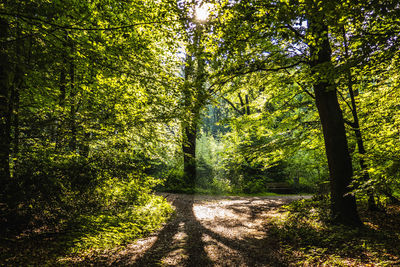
(96, 97)
(210, 173)
(118, 225)
(174, 180)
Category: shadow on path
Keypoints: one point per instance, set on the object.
(185, 241)
(192, 248)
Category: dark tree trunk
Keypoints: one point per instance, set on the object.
(357, 131)
(189, 154)
(344, 209)
(63, 93)
(73, 142)
(17, 85)
(4, 110)
(188, 131)
(247, 105)
(361, 150)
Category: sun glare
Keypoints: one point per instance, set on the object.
(202, 12)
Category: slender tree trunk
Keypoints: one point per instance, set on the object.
(4, 110)
(63, 93)
(247, 105)
(17, 85)
(344, 209)
(357, 131)
(242, 105)
(73, 142)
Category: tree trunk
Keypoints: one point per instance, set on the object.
(63, 94)
(247, 105)
(4, 110)
(357, 132)
(188, 129)
(73, 142)
(189, 154)
(194, 101)
(344, 209)
(17, 85)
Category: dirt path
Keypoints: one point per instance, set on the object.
(210, 231)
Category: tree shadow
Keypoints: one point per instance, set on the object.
(378, 241)
(185, 221)
(43, 246)
(203, 246)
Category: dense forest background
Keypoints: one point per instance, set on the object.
(102, 102)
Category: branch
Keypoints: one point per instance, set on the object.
(272, 69)
(296, 32)
(69, 27)
(236, 74)
(232, 105)
(351, 124)
(341, 95)
(301, 86)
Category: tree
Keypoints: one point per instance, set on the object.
(344, 207)
(4, 106)
(279, 39)
(194, 93)
(89, 89)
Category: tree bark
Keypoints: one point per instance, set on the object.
(4, 110)
(73, 141)
(344, 209)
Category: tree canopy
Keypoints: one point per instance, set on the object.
(104, 102)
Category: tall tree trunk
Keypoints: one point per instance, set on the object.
(4, 110)
(188, 126)
(73, 142)
(17, 85)
(189, 154)
(194, 94)
(357, 131)
(247, 105)
(344, 209)
(63, 93)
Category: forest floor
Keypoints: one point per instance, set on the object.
(207, 231)
(237, 231)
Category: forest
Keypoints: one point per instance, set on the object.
(110, 109)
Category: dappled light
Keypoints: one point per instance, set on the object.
(199, 133)
(236, 218)
(210, 230)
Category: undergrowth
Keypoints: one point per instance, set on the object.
(119, 226)
(86, 235)
(307, 237)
